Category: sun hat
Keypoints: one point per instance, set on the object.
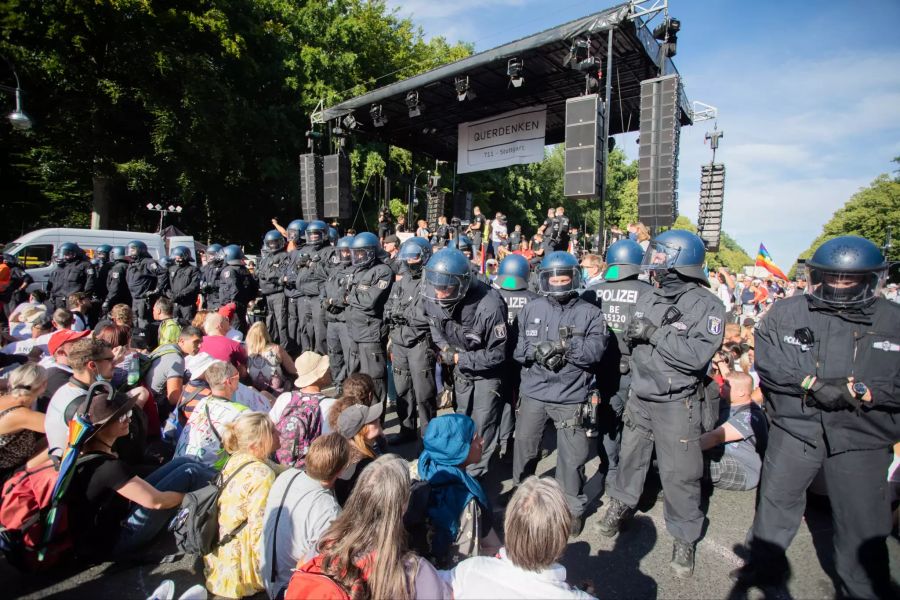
(310, 366)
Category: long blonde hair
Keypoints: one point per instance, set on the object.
(258, 340)
(371, 527)
(253, 433)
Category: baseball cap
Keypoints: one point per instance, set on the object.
(64, 336)
(354, 417)
(228, 310)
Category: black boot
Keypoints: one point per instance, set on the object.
(611, 522)
(682, 559)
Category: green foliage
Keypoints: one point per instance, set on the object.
(729, 255)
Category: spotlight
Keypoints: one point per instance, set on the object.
(514, 69)
(413, 104)
(579, 57)
(464, 89)
(149, 206)
(350, 121)
(377, 114)
(667, 33)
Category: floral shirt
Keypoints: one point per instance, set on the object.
(198, 438)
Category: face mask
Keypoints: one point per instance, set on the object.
(99, 377)
(584, 274)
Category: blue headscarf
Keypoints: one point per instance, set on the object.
(447, 441)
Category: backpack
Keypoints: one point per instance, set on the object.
(299, 425)
(24, 504)
(196, 525)
(311, 582)
(265, 372)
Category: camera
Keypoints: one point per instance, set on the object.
(590, 413)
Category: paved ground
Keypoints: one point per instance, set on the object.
(633, 565)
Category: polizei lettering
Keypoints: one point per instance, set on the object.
(623, 296)
(486, 134)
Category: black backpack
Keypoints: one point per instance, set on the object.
(196, 525)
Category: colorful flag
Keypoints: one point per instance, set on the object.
(765, 261)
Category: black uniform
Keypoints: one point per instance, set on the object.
(271, 285)
(369, 289)
(412, 355)
(477, 235)
(294, 298)
(12, 296)
(101, 268)
(311, 275)
(515, 240)
(515, 301)
(116, 286)
(664, 406)
(145, 278)
(237, 286)
(334, 304)
(184, 285)
(476, 328)
(852, 447)
(558, 238)
(76, 276)
(209, 284)
(559, 395)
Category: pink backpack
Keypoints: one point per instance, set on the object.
(299, 425)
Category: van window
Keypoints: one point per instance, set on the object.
(36, 255)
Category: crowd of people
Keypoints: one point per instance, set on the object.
(274, 384)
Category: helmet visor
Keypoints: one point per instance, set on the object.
(557, 282)
(659, 257)
(842, 288)
(293, 235)
(345, 256)
(361, 256)
(275, 245)
(445, 288)
(313, 236)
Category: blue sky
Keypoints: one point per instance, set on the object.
(808, 94)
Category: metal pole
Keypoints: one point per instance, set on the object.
(601, 235)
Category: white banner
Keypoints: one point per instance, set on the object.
(513, 138)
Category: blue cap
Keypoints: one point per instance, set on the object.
(448, 438)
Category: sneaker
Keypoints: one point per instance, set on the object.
(682, 559)
(197, 592)
(165, 591)
(611, 522)
(577, 527)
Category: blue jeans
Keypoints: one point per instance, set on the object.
(183, 474)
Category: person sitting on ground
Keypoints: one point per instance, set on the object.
(358, 386)
(165, 376)
(361, 426)
(537, 526)
(58, 369)
(299, 419)
(167, 327)
(229, 312)
(112, 512)
(200, 318)
(20, 323)
(36, 299)
(22, 439)
(203, 434)
(79, 304)
(734, 448)
(300, 508)
(120, 315)
(268, 362)
(364, 550)
(232, 569)
(220, 347)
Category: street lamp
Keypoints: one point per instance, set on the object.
(17, 118)
(163, 211)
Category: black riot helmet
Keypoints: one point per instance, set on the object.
(513, 273)
(118, 254)
(316, 232)
(447, 277)
(10, 260)
(559, 275)
(624, 259)
(464, 244)
(677, 250)
(364, 248)
(214, 254)
(137, 250)
(296, 229)
(333, 236)
(274, 241)
(343, 249)
(846, 271)
(69, 252)
(102, 252)
(414, 254)
(181, 255)
(233, 255)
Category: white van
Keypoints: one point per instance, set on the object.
(35, 250)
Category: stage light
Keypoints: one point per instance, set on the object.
(350, 121)
(377, 114)
(464, 89)
(579, 52)
(413, 104)
(514, 69)
(667, 33)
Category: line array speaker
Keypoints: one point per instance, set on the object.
(658, 152)
(436, 206)
(337, 187)
(712, 198)
(311, 186)
(462, 205)
(584, 147)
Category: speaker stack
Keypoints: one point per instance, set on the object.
(712, 197)
(584, 147)
(435, 208)
(336, 179)
(311, 186)
(660, 130)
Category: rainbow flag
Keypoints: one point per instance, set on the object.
(764, 260)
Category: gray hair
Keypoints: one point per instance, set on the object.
(537, 524)
(212, 325)
(27, 379)
(217, 373)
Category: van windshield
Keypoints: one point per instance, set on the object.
(11, 248)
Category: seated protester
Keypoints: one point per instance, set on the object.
(232, 569)
(79, 304)
(112, 511)
(229, 312)
(118, 337)
(120, 315)
(200, 318)
(459, 513)
(268, 362)
(220, 347)
(58, 369)
(36, 299)
(300, 508)
(361, 426)
(20, 325)
(734, 448)
(299, 420)
(203, 434)
(364, 550)
(40, 334)
(167, 328)
(537, 526)
(22, 439)
(193, 390)
(359, 386)
(165, 376)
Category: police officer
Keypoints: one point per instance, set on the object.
(512, 282)
(102, 265)
(310, 276)
(464, 244)
(56, 281)
(184, 284)
(236, 285)
(117, 280)
(617, 295)
(412, 358)
(209, 277)
(468, 326)
(675, 331)
(561, 341)
(296, 232)
(369, 289)
(829, 366)
(559, 240)
(145, 278)
(270, 273)
(334, 303)
(77, 275)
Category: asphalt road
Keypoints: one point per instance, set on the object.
(632, 565)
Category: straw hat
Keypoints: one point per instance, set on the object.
(310, 368)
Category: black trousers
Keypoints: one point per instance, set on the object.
(860, 506)
(480, 399)
(185, 312)
(369, 358)
(338, 351)
(295, 324)
(277, 318)
(143, 314)
(414, 382)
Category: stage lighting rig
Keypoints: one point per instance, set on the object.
(667, 33)
(464, 89)
(350, 122)
(414, 105)
(579, 57)
(514, 69)
(376, 112)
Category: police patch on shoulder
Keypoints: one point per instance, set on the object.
(383, 284)
(714, 325)
(115, 274)
(89, 271)
(886, 346)
(500, 331)
(226, 274)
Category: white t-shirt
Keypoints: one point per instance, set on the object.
(251, 398)
(725, 296)
(497, 229)
(198, 438)
(55, 423)
(25, 346)
(234, 334)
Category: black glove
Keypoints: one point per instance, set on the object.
(640, 330)
(550, 355)
(447, 355)
(398, 318)
(104, 308)
(831, 394)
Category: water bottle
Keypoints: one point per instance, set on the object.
(133, 367)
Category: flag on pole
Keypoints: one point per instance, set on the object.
(764, 260)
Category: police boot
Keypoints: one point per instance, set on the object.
(616, 513)
(682, 559)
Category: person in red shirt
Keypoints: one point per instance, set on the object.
(220, 347)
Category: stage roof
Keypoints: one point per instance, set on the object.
(547, 81)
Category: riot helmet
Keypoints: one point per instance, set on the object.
(181, 255)
(118, 254)
(559, 275)
(513, 273)
(414, 254)
(464, 244)
(274, 241)
(102, 252)
(316, 232)
(676, 250)
(364, 248)
(343, 249)
(10, 260)
(232, 255)
(165, 262)
(137, 250)
(214, 254)
(846, 271)
(333, 236)
(296, 229)
(624, 259)
(69, 252)
(447, 277)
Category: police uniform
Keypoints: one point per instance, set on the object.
(334, 304)
(145, 278)
(296, 319)
(310, 277)
(116, 286)
(237, 286)
(515, 301)
(476, 328)
(369, 289)
(559, 395)
(271, 285)
(101, 269)
(184, 286)
(209, 284)
(77, 276)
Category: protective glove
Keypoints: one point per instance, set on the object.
(104, 308)
(831, 394)
(447, 355)
(640, 330)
